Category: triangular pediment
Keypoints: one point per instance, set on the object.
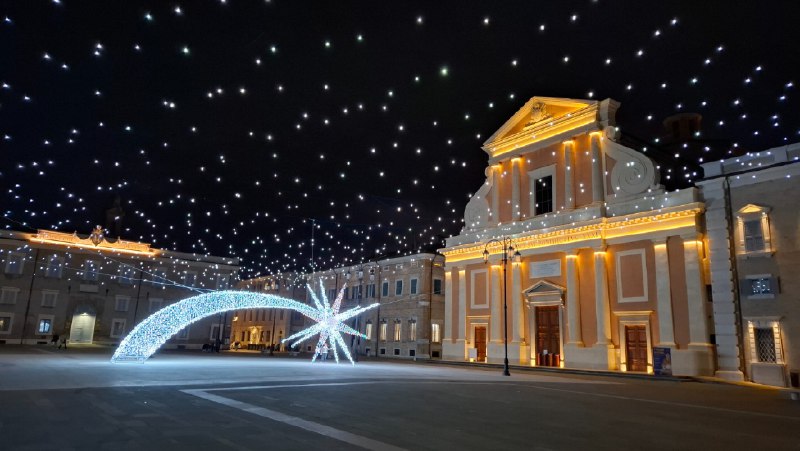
(753, 208)
(543, 287)
(538, 112)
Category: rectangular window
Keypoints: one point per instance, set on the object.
(49, 298)
(117, 328)
(543, 192)
(398, 329)
(5, 323)
(346, 293)
(383, 331)
(45, 326)
(55, 265)
(331, 294)
(753, 235)
(155, 305)
(357, 292)
(371, 291)
(122, 303)
(436, 333)
(383, 351)
(368, 331)
(385, 288)
(412, 352)
(14, 263)
(90, 271)
(126, 274)
(398, 287)
(396, 351)
(190, 278)
(8, 295)
(437, 286)
(412, 330)
(765, 344)
(414, 283)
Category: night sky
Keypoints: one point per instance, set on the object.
(226, 127)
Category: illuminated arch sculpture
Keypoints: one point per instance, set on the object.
(145, 339)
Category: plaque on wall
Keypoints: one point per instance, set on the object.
(547, 268)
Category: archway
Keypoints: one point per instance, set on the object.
(150, 334)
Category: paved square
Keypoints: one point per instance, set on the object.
(77, 400)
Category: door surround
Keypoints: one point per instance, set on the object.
(544, 294)
(636, 318)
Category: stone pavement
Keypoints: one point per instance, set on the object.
(77, 400)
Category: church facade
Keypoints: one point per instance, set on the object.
(575, 244)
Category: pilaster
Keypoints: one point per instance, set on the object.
(666, 325)
(569, 169)
(573, 301)
(598, 192)
(496, 324)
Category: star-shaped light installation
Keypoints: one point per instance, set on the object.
(330, 324)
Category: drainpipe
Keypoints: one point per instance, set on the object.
(30, 296)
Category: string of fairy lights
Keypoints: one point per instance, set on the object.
(373, 129)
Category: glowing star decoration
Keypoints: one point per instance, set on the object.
(330, 325)
(145, 339)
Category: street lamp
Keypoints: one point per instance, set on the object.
(509, 253)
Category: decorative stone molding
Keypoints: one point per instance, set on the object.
(476, 214)
(633, 173)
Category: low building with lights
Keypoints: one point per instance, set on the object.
(606, 270)
(261, 329)
(408, 322)
(90, 289)
(752, 227)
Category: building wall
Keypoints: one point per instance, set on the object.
(615, 270)
(71, 294)
(761, 188)
(423, 308)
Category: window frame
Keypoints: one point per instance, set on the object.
(50, 321)
(127, 301)
(748, 214)
(413, 285)
(92, 275)
(11, 258)
(440, 284)
(10, 327)
(45, 295)
(4, 290)
(115, 321)
(536, 175)
(59, 267)
(398, 287)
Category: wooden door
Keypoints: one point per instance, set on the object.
(548, 336)
(636, 348)
(480, 342)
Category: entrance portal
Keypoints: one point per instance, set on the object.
(82, 328)
(636, 348)
(548, 336)
(480, 342)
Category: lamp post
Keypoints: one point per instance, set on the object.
(508, 253)
(360, 277)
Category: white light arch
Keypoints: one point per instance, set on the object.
(145, 339)
(150, 334)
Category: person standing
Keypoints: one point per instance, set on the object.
(63, 342)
